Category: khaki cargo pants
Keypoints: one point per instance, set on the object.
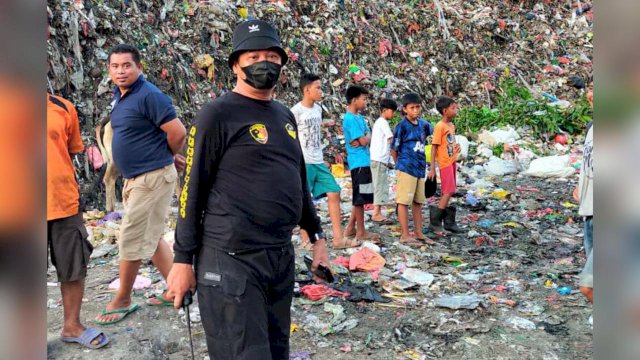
(146, 201)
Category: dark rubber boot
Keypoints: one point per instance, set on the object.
(435, 219)
(450, 220)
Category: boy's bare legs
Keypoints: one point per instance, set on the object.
(416, 209)
(444, 201)
(377, 213)
(403, 217)
(350, 230)
(333, 199)
(359, 216)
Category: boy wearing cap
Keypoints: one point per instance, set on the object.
(245, 190)
(445, 150)
(308, 116)
(409, 140)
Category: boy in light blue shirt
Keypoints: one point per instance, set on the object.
(357, 135)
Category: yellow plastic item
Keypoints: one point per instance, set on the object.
(243, 13)
(427, 153)
(294, 327)
(337, 170)
(500, 194)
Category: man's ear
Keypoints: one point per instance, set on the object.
(238, 71)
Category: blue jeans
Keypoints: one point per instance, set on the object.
(588, 234)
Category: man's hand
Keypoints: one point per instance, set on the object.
(457, 148)
(320, 256)
(181, 279)
(355, 143)
(576, 195)
(179, 161)
(432, 174)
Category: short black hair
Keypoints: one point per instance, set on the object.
(388, 104)
(355, 91)
(411, 98)
(125, 49)
(442, 103)
(307, 79)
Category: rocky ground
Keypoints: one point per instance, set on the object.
(519, 246)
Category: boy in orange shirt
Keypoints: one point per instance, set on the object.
(444, 149)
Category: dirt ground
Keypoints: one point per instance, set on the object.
(507, 261)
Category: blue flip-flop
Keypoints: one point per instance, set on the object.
(87, 337)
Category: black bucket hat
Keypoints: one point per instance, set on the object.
(255, 35)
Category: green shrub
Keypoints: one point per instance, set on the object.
(517, 107)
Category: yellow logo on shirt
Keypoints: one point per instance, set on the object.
(290, 130)
(259, 133)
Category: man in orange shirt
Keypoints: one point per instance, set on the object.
(66, 234)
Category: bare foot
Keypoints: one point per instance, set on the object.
(410, 241)
(421, 237)
(155, 301)
(370, 237)
(346, 243)
(114, 305)
(378, 218)
(350, 232)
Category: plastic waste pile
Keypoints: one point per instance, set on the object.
(437, 47)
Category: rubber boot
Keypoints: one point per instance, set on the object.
(450, 220)
(435, 219)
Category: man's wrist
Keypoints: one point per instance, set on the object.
(318, 236)
(181, 257)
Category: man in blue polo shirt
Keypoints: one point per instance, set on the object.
(147, 136)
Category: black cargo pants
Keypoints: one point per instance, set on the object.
(245, 302)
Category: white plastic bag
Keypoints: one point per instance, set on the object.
(505, 136)
(464, 147)
(499, 167)
(551, 166)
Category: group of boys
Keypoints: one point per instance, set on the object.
(372, 153)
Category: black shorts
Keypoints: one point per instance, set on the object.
(245, 302)
(68, 247)
(362, 186)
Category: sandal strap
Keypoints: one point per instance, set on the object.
(120, 311)
(89, 334)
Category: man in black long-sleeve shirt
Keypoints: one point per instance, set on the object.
(245, 190)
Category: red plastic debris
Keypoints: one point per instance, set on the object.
(316, 292)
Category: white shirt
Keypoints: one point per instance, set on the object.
(309, 122)
(380, 146)
(585, 187)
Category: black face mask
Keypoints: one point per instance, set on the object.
(262, 75)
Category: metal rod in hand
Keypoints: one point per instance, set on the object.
(186, 301)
